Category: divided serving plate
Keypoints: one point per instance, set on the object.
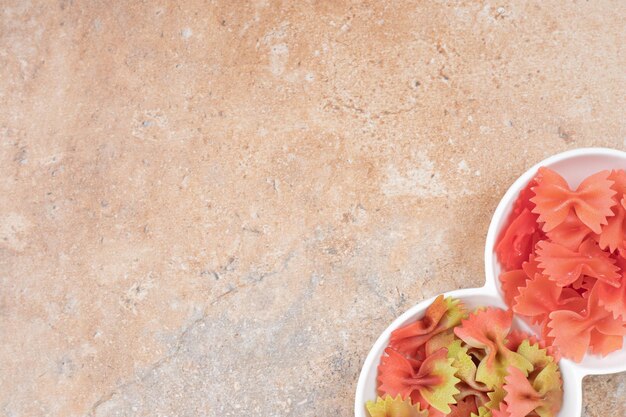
(574, 166)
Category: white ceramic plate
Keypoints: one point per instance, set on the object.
(574, 166)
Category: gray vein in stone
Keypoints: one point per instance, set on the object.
(181, 339)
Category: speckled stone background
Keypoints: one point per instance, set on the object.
(214, 208)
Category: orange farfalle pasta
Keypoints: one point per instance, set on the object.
(572, 331)
(602, 344)
(531, 267)
(565, 266)
(571, 232)
(511, 282)
(591, 202)
(614, 300)
(613, 235)
(618, 177)
(541, 296)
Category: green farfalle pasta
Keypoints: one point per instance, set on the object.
(487, 329)
(454, 364)
(394, 407)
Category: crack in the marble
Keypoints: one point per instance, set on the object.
(352, 107)
(151, 369)
(233, 290)
(398, 111)
(183, 335)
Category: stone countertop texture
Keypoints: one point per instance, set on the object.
(213, 209)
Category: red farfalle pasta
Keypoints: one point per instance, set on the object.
(572, 330)
(580, 252)
(571, 232)
(591, 202)
(516, 337)
(541, 296)
(518, 240)
(565, 266)
(410, 338)
(618, 177)
(502, 411)
(463, 408)
(442, 315)
(614, 300)
(487, 329)
(519, 237)
(511, 282)
(431, 383)
(520, 394)
(613, 236)
(602, 344)
(542, 395)
(395, 373)
(531, 267)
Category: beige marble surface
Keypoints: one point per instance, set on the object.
(214, 208)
